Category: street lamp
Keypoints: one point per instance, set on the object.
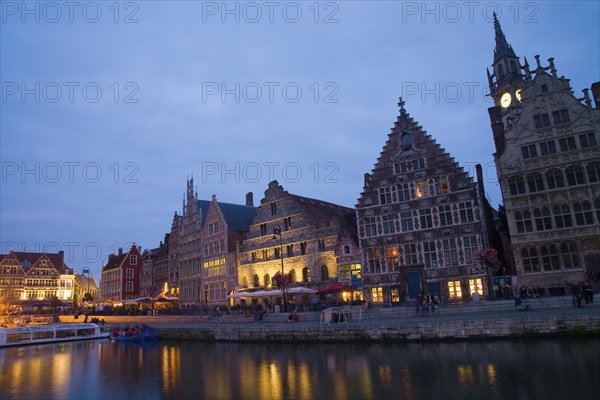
(277, 231)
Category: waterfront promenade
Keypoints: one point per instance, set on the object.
(548, 316)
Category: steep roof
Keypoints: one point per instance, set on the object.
(114, 261)
(238, 217)
(28, 259)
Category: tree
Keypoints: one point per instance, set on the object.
(88, 298)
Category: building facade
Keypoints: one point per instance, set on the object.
(209, 235)
(121, 275)
(548, 163)
(420, 222)
(26, 276)
(299, 237)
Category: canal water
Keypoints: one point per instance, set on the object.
(526, 369)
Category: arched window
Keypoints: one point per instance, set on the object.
(543, 220)
(583, 213)
(569, 254)
(593, 172)
(555, 179)
(575, 175)
(513, 67)
(516, 185)
(550, 257)
(256, 281)
(267, 280)
(305, 275)
(500, 70)
(530, 260)
(292, 276)
(535, 182)
(523, 221)
(562, 216)
(324, 273)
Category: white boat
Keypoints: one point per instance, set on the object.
(39, 334)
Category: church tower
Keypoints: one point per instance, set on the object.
(547, 160)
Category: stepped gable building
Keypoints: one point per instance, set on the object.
(306, 234)
(420, 221)
(155, 268)
(35, 276)
(121, 275)
(210, 232)
(548, 163)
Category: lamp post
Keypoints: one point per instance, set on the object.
(277, 231)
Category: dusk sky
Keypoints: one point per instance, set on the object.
(108, 107)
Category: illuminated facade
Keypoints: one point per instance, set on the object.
(34, 276)
(210, 233)
(548, 162)
(420, 221)
(305, 233)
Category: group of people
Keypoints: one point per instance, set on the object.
(425, 302)
(528, 292)
(582, 291)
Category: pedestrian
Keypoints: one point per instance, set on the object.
(588, 292)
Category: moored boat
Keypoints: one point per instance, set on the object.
(51, 333)
(134, 334)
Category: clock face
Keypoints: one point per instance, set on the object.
(505, 100)
(518, 94)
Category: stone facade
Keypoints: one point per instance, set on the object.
(420, 221)
(34, 276)
(209, 235)
(298, 235)
(548, 162)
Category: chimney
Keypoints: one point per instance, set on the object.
(497, 128)
(120, 251)
(250, 199)
(596, 93)
(367, 179)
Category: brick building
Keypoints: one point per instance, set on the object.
(420, 221)
(548, 163)
(121, 275)
(305, 237)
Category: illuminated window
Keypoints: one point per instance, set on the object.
(422, 189)
(305, 275)
(476, 286)
(441, 185)
(377, 295)
(454, 290)
(395, 295)
(391, 257)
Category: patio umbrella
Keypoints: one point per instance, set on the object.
(336, 287)
(301, 290)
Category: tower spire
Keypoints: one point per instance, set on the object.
(503, 49)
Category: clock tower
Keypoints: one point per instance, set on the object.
(506, 82)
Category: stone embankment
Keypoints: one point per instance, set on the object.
(551, 316)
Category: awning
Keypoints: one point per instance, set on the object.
(301, 290)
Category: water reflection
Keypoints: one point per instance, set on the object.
(169, 370)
